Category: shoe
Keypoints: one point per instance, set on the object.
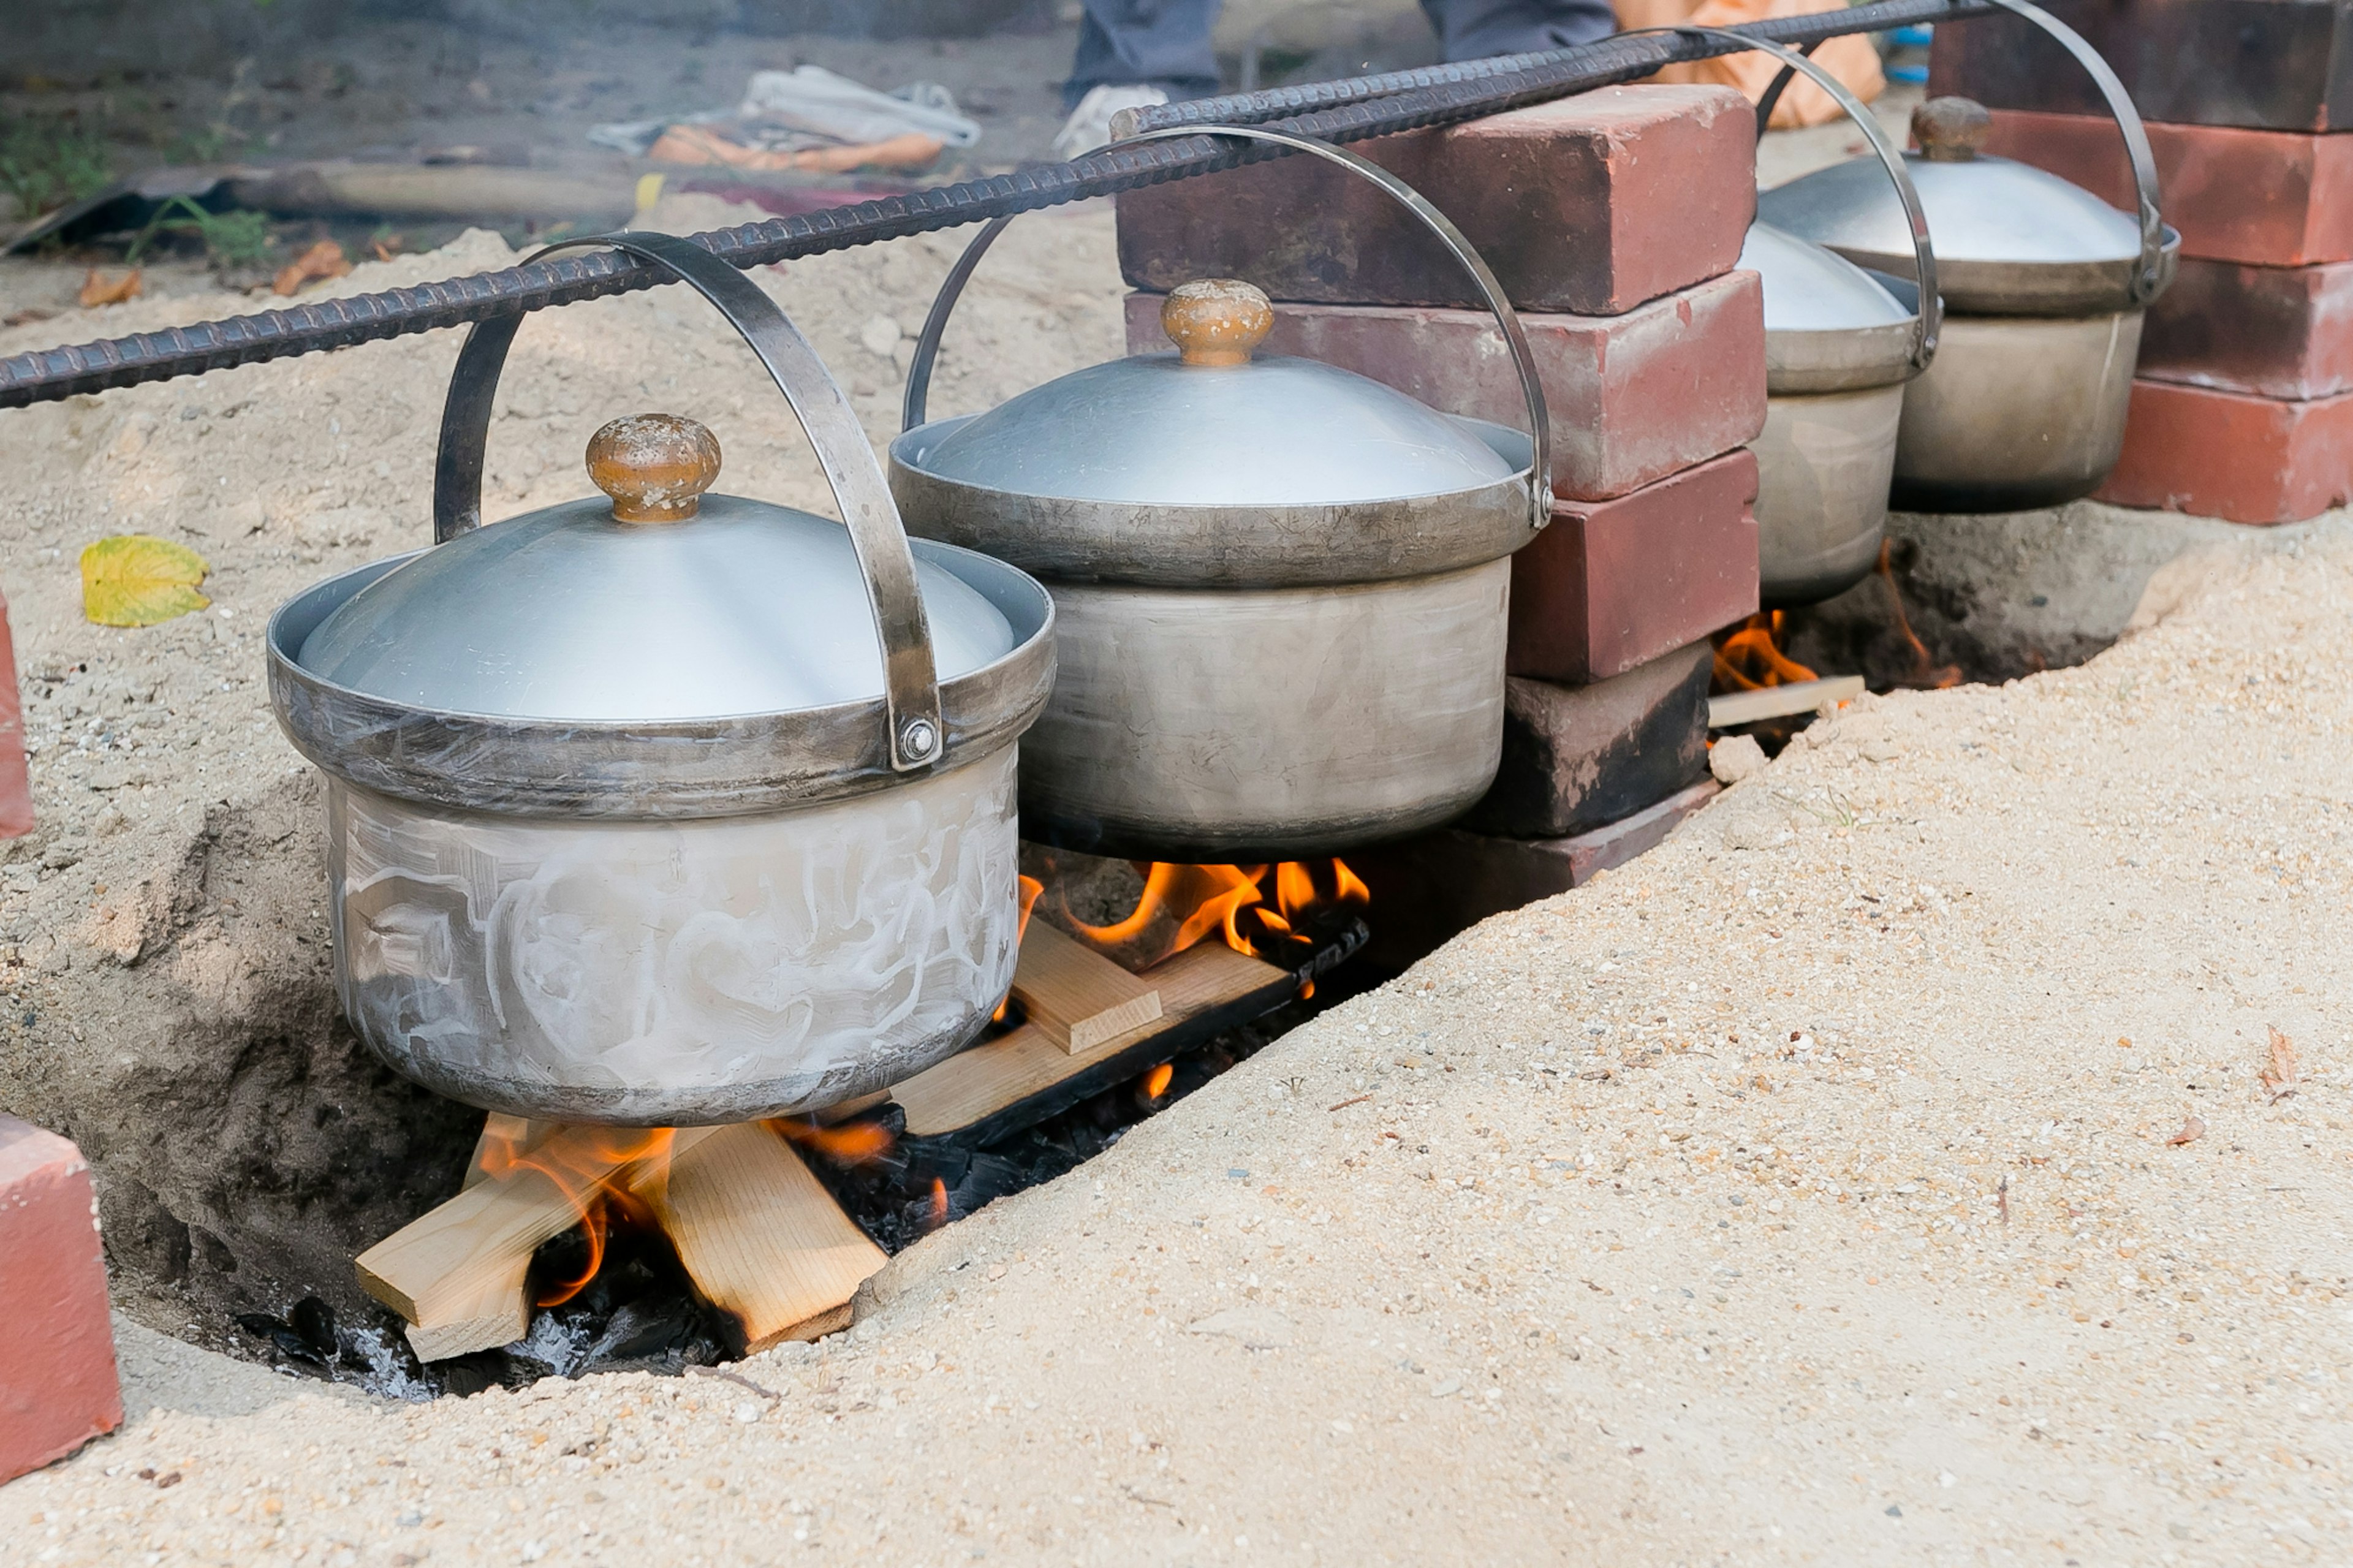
(1089, 126)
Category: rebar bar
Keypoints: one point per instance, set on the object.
(1338, 111)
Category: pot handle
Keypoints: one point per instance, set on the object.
(927, 345)
(1929, 324)
(2148, 274)
(911, 693)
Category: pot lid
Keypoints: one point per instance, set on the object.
(2010, 239)
(1217, 424)
(1829, 325)
(660, 603)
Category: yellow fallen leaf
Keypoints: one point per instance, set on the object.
(139, 580)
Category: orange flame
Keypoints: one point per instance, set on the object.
(1157, 1081)
(1924, 674)
(852, 1144)
(939, 1212)
(1030, 886)
(1749, 656)
(1231, 901)
(583, 1162)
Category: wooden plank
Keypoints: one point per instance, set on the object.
(761, 1237)
(1073, 994)
(440, 1269)
(501, 1313)
(974, 1085)
(502, 1131)
(1780, 701)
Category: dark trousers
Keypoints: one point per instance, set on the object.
(1165, 43)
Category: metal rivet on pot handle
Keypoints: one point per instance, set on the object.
(1929, 323)
(910, 684)
(927, 344)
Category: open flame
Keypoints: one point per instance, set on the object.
(1925, 673)
(586, 1166)
(1748, 658)
(1258, 910)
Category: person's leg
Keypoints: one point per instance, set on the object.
(1476, 29)
(1144, 43)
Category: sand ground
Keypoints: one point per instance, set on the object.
(1898, 1165)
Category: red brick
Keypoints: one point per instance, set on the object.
(2268, 198)
(2279, 332)
(15, 789)
(1578, 757)
(1612, 585)
(1589, 206)
(1428, 889)
(58, 1387)
(1632, 397)
(2227, 455)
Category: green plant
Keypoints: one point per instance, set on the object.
(45, 165)
(230, 238)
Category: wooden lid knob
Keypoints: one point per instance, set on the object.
(654, 466)
(1217, 320)
(1949, 130)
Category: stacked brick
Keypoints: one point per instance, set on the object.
(2242, 407)
(1613, 222)
(58, 1387)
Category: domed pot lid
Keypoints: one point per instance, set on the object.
(2010, 239)
(1216, 423)
(1829, 325)
(659, 603)
(1217, 466)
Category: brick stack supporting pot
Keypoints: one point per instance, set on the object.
(1614, 221)
(2242, 407)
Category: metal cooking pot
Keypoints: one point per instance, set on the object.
(1281, 586)
(2044, 286)
(1838, 348)
(674, 809)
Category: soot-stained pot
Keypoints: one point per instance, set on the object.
(670, 807)
(1281, 587)
(1838, 348)
(2044, 287)
(1838, 353)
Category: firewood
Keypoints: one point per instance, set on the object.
(442, 1269)
(761, 1239)
(1780, 701)
(978, 1083)
(502, 1314)
(1073, 994)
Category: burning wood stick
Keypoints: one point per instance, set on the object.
(762, 1240)
(979, 1082)
(453, 1266)
(1074, 995)
(1780, 701)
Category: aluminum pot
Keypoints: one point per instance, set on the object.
(1838, 348)
(2044, 287)
(675, 808)
(1282, 587)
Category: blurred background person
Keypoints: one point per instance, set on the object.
(1136, 52)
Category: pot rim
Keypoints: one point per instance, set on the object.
(662, 770)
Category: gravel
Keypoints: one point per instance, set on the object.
(1805, 1191)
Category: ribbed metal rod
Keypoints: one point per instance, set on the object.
(1443, 95)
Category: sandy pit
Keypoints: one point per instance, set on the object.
(1896, 1166)
(1937, 1152)
(163, 947)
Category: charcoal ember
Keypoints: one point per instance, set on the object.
(478, 1371)
(313, 1322)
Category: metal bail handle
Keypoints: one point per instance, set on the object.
(2149, 276)
(1929, 324)
(911, 692)
(927, 345)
